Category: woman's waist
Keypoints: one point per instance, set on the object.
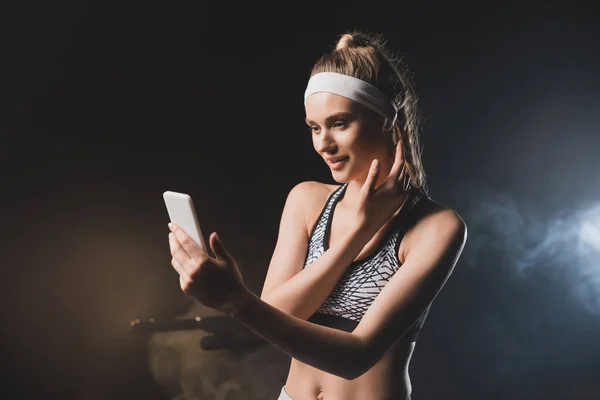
(383, 380)
(299, 389)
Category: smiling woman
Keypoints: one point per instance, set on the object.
(377, 88)
(357, 265)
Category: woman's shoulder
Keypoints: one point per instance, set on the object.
(311, 196)
(313, 191)
(433, 209)
(436, 217)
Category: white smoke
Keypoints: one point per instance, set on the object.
(187, 372)
(565, 245)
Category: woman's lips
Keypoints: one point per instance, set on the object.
(337, 164)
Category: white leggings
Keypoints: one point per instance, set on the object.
(283, 395)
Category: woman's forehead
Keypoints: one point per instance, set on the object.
(322, 104)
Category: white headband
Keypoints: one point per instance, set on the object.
(355, 89)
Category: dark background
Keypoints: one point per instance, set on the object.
(109, 104)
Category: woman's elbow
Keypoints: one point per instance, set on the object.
(359, 365)
(352, 376)
(355, 372)
(349, 373)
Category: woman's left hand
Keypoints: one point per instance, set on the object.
(214, 282)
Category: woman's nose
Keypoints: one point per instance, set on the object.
(324, 141)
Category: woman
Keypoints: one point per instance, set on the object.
(357, 265)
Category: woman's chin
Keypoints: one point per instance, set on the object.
(340, 176)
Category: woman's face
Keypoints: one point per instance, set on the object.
(346, 130)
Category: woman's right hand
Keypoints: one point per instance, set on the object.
(377, 205)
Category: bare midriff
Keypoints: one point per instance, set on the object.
(389, 377)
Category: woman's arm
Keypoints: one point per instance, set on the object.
(327, 349)
(216, 282)
(288, 286)
(300, 292)
(410, 291)
(304, 293)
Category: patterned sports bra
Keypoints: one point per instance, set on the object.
(363, 279)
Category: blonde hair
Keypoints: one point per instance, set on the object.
(366, 56)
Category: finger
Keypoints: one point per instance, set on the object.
(175, 246)
(179, 268)
(371, 180)
(397, 167)
(185, 284)
(182, 258)
(219, 249)
(188, 244)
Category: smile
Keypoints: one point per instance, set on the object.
(337, 164)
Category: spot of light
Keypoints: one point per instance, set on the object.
(588, 251)
(589, 234)
(565, 247)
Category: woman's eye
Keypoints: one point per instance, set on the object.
(312, 128)
(339, 124)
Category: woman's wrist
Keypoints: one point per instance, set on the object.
(361, 234)
(238, 304)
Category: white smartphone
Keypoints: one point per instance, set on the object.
(182, 213)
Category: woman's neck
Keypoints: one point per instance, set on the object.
(352, 192)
